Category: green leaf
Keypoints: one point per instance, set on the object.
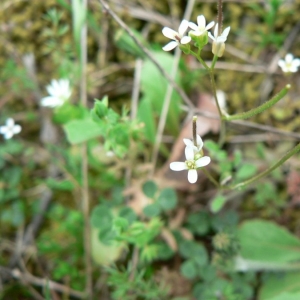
(101, 217)
(149, 189)
(145, 115)
(199, 223)
(128, 214)
(152, 210)
(79, 131)
(246, 171)
(267, 242)
(154, 86)
(188, 269)
(283, 286)
(190, 249)
(167, 199)
(217, 203)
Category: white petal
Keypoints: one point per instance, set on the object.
(169, 33)
(10, 122)
(201, 22)
(170, 46)
(178, 166)
(183, 27)
(3, 129)
(226, 32)
(211, 36)
(216, 30)
(221, 39)
(210, 25)
(289, 58)
(189, 153)
(51, 101)
(17, 129)
(199, 142)
(292, 69)
(8, 135)
(193, 26)
(188, 142)
(185, 40)
(203, 161)
(192, 176)
(296, 62)
(281, 63)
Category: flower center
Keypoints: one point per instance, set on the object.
(190, 164)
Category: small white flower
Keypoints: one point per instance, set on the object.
(289, 64)
(190, 164)
(10, 129)
(177, 37)
(219, 40)
(201, 27)
(59, 92)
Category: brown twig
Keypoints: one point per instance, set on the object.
(25, 277)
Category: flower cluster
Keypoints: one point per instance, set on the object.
(194, 159)
(199, 34)
(10, 129)
(289, 64)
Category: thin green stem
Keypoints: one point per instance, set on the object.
(200, 60)
(269, 170)
(214, 62)
(259, 109)
(223, 124)
(214, 181)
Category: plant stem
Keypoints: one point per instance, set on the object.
(269, 170)
(220, 16)
(84, 165)
(195, 130)
(261, 108)
(214, 181)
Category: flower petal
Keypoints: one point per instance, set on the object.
(192, 176)
(169, 33)
(3, 129)
(289, 58)
(201, 22)
(178, 166)
(16, 129)
(211, 36)
(225, 33)
(216, 30)
(10, 122)
(193, 26)
(189, 152)
(188, 142)
(185, 40)
(183, 27)
(8, 135)
(203, 161)
(170, 46)
(210, 25)
(199, 142)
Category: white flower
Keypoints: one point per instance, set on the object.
(219, 40)
(177, 37)
(59, 92)
(290, 64)
(10, 129)
(190, 164)
(196, 148)
(201, 27)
